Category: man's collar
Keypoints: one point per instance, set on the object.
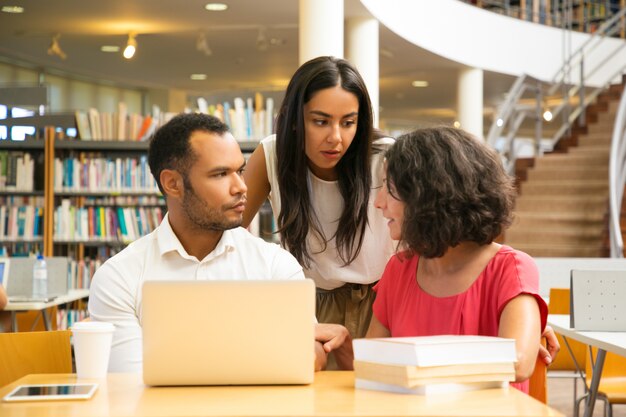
(169, 242)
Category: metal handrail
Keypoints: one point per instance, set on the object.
(617, 179)
(511, 114)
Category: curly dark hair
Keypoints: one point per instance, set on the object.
(169, 146)
(297, 217)
(454, 187)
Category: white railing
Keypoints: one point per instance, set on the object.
(617, 179)
(520, 106)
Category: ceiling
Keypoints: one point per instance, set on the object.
(167, 32)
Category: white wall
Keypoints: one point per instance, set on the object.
(555, 272)
(486, 40)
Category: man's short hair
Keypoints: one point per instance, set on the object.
(170, 148)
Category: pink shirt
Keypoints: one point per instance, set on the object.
(407, 310)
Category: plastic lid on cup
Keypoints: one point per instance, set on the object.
(92, 326)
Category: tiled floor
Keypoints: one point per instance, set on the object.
(561, 394)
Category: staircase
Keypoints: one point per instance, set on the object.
(562, 206)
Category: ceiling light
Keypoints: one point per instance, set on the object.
(547, 115)
(202, 45)
(55, 48)
(110, 48)
(198, 77)
(499, 122)
(418, 83)
(456, 124)
(216, 7)
(131, 46)
(12, 9)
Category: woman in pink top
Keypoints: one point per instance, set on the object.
(447, 198)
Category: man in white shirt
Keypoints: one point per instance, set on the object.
(198, 167)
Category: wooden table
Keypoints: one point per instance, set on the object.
(614, 342)
(332, 394)
(16, 307)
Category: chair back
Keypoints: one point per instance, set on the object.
(560, 304)
(34, 352)
(537, 383)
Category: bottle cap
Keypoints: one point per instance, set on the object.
(39, 257)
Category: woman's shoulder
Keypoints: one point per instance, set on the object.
(401, 261)
(507, 252)
(516, 261)
(269, 141)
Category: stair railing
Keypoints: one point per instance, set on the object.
(519, 106)
(617, 179)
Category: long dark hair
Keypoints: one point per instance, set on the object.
(296, 216)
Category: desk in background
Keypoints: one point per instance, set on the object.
(14, 308)
(614, 342)
(332, 394)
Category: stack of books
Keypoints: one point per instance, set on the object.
(434, 364)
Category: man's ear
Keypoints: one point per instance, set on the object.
(172, 183)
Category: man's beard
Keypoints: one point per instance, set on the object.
(207, 218)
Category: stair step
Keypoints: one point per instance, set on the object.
(551, 219)
(595, 136)
(574, 160)
(558, 251)
(567, 172)
(592, 148)
(602, 128)
(575, 204)
(566, 187)
(556, 236)
(584, 142)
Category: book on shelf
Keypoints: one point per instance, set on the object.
(428, 389)
(119, 126)
(411, 376)
(17, 171)
(435, 350)
(249, 119)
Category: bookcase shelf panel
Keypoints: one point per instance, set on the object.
(105, 193)
(22, 145)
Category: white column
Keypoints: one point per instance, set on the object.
(470, 101)
(362, 52)
(320, 29)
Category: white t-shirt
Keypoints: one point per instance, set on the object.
(327, 268)
(115, 293)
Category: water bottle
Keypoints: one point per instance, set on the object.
(40, 277)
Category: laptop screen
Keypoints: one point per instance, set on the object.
(4, 272)
(228, 332)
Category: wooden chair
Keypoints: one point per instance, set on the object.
(537, 384)
(34, 352)
(612, 388)
(570, 363)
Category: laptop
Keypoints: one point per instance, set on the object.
(4, 272)
(228, 332)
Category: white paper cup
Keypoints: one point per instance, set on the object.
(92, 347)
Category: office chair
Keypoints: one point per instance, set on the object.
(34, 353)
(570, 363)
(612, 388)
(537, 385)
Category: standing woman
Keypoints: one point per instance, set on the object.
(321, 170)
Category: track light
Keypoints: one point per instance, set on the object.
(55, 48)
(131, 46)
(202, 45)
